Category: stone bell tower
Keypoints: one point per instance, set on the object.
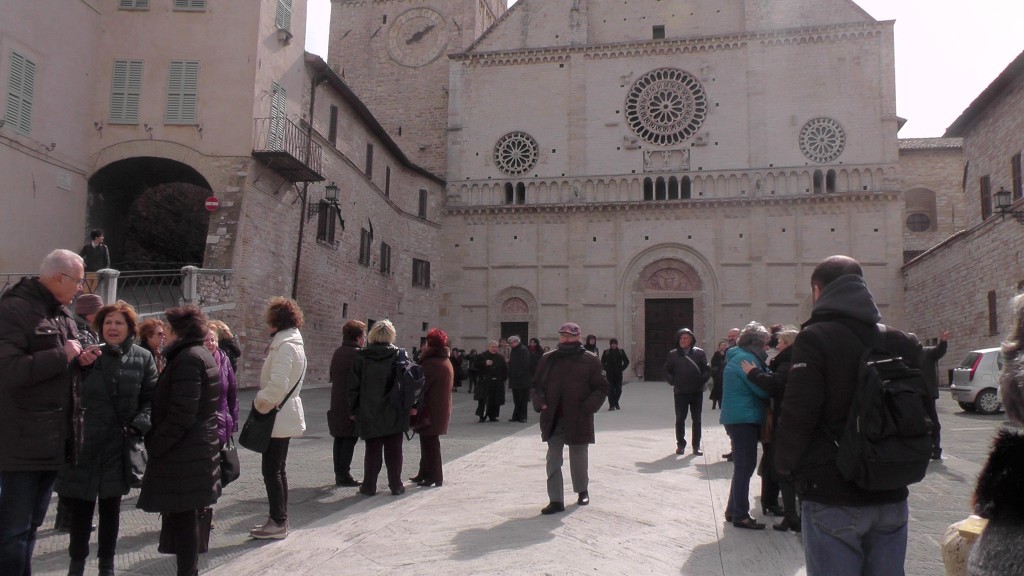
(393, 54)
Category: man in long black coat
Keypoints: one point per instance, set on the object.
(490, 392)
(519, 378)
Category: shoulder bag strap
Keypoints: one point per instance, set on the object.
(297, 382)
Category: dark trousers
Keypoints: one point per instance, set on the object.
(185, 529)
(694, 403)
(430, 458)
(344, 446)
(391, 446)
(769, 485)
(275, 478)
(520, 401)
(614, 390)
(789, 500)
(744, 460)
(936, 427)
(24, 498)
(81, 526)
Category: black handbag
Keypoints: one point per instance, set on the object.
(230, 466)
(135, 458)
(258, 428)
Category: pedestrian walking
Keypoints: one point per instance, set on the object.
(687, 370)
(490, 386)
(569, 388)
(615, 362)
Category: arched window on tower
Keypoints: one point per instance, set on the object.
(830, 181)
(648, 189)
(687, 188)
(819, 181)
(673, 188)
(659, 188)
(520, 193)
(509, 193)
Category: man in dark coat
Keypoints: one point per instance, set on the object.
(843, 524)
(518, 378)
(930, 356)
(40, 358)
(569, 387)
(615, 362)
(687, 370)
(339, 417)
(490, 392)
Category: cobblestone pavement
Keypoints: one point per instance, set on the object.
(653, 512)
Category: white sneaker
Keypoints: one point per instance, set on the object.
(270, 531)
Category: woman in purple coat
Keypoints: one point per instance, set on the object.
(227, 410)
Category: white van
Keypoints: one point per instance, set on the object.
(976, 381)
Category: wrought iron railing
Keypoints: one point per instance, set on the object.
(278, 134)
(151, 291)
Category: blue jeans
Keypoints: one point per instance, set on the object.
(744, 460)
(24, 498)
(855, 540)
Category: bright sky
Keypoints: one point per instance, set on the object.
(947, 52)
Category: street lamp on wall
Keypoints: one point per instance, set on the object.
(1004, 201)
(330, 198)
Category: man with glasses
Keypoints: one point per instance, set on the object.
(40, 357)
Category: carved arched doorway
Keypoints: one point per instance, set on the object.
(517, 313)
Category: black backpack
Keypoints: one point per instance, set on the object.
(886, 442)
(407, 383)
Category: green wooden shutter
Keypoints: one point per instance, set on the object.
(20, 91)
(182, 92)
(278, 102)
(284, 14)
(126, 92)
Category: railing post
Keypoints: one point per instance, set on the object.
(106, 285)
(189, 281)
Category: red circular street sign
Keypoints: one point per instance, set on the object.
(212, 203)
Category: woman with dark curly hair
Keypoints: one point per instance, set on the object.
(183, 473)
(281, 378)
(152, 337)
(116, 398)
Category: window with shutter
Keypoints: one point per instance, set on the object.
(284, 14)
(278, 100)
(182, 92)
(190, 5)
(133, 4)
(21, 80)
(126, 92)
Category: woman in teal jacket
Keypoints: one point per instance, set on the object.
(743, 412)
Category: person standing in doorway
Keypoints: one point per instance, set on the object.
(568, 389)
(687, 370)
(615, 362)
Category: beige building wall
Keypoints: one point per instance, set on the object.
(588, 244)
(45, 168)
(965, 283)
(931, 178)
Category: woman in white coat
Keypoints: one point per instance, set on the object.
(284, 369)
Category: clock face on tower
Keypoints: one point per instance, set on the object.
(417, 37)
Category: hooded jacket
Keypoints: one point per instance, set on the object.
(686, 369)
(38, 388)
(369, 383)
(821, 386)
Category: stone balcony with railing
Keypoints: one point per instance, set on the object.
(287, 149)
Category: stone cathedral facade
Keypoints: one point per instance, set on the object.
(639, 166)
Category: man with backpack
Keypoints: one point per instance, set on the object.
(852, 524)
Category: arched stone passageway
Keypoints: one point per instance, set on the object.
(152, 213)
